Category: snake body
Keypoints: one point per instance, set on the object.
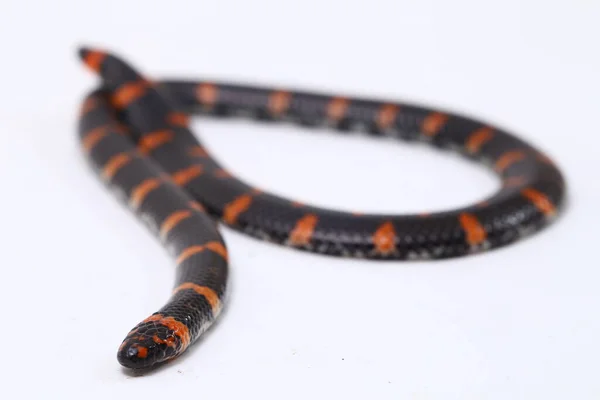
(135, 133)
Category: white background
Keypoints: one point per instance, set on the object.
(78, 271)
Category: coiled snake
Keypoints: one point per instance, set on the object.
(135, 133)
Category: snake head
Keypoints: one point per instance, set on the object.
(152, 342)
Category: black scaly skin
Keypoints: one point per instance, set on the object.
(135, 134)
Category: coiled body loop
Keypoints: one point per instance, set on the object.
(135, 133)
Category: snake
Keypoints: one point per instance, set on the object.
(135, 133)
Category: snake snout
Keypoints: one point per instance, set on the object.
(148, 349)
(137, 354)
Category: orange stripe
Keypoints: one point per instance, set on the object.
(88, 105)
(433, 123)
(209, 294)
(478, 139)
(233, 209)
(221, 173)
(179, 329)
(384, 238)
(207, 93)
(154, 140)
(142, 190)
(93, 137)
(128, 93)
(152, 318)
(172, 220)
(178, 119)
(218, 248)
(197, 151)
(186, 175)
(121, 128)
(279, 102)
(387, 115)
(540, 201)
(114, 164)
(336, 109)
(190, 251)
(94, 60)
(473, 229)
(196, 206)
(303, 231)
(509, 158)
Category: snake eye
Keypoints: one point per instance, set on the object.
(135, 354)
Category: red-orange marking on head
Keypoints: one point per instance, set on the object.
(387, 115)
(279, 102)
(128, 93)
(142, 190)
(197, 151)
(129, 338)
(509, 158)
(114, 164)
(207, 93)
(153, 140)
(154, 317)
(337, 107)
(209, 294)
(303, 231)
(179, 329)
(178, 119)
(297, 204)
(433, 123)
(93, 137)
(186, 175)
(197, 206)
(233, 209)
(540, 201)
(169, 341)
(478, 139)
(384, 238)
(473, 229)
(172, 220)
(142, 351)
(94, 59)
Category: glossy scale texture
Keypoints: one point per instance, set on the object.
(135, 133)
